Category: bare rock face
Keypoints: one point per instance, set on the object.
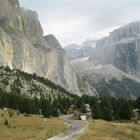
(105, 80)
(121, 48)
(59, 68)
(113, 66)
(23, 46)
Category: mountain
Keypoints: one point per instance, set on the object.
(75, 51)
(110, 68)
(121, 49)
(105, 80)
(23, 46)
(113, 66)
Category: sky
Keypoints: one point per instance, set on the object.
(74, 21)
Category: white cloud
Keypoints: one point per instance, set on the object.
(75, 20)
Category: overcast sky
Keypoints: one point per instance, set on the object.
(73, 21)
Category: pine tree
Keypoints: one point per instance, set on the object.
(115, 108)
(3, 99)
(83, 109)
(96, 111)
(27, 106)
(54, 112)
(106, 108)
(125, 110)
(138, 102)
(46, 108)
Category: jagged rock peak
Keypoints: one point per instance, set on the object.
(52, 41)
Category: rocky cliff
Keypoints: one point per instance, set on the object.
(23, 46)
(59, 67)
(121, 48)
(113, 66)
(105, 80)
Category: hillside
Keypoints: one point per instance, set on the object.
(29, 84)
(105, 80)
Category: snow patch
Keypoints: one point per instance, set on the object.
(98, 67)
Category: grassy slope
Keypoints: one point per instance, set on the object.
(29, 128)
(102, 130)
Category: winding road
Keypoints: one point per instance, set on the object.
(75, 127)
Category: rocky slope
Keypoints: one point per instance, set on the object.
(23, 46)
(105, 80)
(29, 84)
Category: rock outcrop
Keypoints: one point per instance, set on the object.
(59, 67)
(23, 46)
(106, 80)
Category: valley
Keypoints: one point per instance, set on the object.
(48, 90)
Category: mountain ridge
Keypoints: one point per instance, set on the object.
(22, 46)
(117, 53)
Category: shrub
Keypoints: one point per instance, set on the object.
(6, 122)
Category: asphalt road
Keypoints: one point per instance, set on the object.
(75, 127)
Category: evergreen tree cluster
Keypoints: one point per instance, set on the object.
(108, 108)
(46, 107)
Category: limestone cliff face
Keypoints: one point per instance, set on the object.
(23, 46)
(59, 68)
(113, 66)
(105, 80)
(121, 48)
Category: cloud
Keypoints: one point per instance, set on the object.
(75, 20)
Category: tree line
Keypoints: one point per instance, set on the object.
(42, 106)
(106, 108)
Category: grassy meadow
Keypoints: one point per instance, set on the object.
(28, 127)
(103, 130)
